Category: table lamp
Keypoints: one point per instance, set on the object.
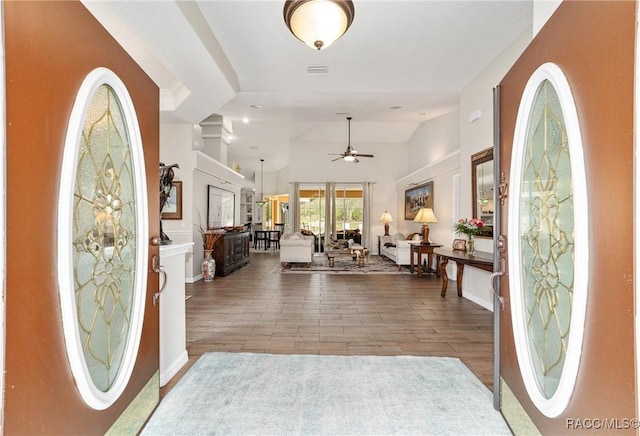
(425, 216)
(386, 219)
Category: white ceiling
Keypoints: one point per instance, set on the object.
(223, 56)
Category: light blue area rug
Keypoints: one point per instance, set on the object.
(256, 394)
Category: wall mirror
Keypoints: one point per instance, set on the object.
(220, 208)
(482, 187)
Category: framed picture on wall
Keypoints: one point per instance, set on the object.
(173, 209)
(416, 198)
(220, 208)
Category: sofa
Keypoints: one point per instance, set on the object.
(296, 247)
(397, 248)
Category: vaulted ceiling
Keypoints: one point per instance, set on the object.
(400, 64)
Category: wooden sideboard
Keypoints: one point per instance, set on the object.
(231, 252)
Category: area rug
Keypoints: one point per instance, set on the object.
(259, 394)
(346, 265)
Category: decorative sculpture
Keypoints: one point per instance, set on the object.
(166, 183)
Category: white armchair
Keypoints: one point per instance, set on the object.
(296, 248)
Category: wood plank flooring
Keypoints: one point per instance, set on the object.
(258, 309)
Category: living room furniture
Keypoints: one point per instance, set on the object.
(421, 248)
(296, 247)
(273, 237)
(356, 252)
(396, 248)
(231, 252)
(480, 259)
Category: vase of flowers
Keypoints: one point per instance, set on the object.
(209, 240)
(469, 227)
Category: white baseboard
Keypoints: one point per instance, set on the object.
(479, 301)
(193, 279)
(168, 373)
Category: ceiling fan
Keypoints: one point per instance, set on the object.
(350, 155)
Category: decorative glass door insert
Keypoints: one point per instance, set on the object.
(102, 238)
(548, 230)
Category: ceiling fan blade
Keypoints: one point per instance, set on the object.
(338, 158)
(365, 155)
(355, 160)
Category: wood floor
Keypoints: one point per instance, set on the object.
(258, 309)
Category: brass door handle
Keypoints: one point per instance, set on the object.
(493, 285)
(155, 265)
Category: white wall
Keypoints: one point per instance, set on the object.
(175, 139)
(441, 149)
(196, 172)
(476, 136)
(433, 140)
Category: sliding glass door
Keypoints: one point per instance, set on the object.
(342, 218)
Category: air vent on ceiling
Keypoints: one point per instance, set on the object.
(317, 69)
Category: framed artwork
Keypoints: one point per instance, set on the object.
(173, 209)
(416, 198)
(220, 208)
(459, 244)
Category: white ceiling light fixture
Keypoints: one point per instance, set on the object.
(318, 23)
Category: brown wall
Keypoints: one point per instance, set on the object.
(593, 43)
(50, 48)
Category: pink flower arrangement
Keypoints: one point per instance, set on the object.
(469, 226)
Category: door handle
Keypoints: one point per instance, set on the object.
(155, 265)
(493, 286)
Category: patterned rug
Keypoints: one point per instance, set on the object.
(267, 394)
(373, 264)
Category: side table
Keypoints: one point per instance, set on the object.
(423, 248)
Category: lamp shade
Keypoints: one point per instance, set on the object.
(425, 215)
(386, 217)
(318, 23)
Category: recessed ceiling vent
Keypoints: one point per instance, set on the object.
(317, 69)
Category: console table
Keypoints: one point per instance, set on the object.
(422, 248)
(479, 259)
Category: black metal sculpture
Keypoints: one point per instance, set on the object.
(166, 183)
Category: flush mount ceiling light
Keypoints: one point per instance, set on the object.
(318, 23)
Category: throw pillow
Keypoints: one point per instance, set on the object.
(389, 244)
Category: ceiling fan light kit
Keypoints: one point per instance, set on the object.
(351, 155)
(318, 23)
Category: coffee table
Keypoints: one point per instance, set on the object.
(357, 252)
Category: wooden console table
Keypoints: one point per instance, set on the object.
(421, 249)
(480, 259)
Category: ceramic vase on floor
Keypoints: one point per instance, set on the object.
(208, 266)
(471, 245)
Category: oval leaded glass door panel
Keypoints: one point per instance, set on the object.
(102, 238)
(548, 231)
